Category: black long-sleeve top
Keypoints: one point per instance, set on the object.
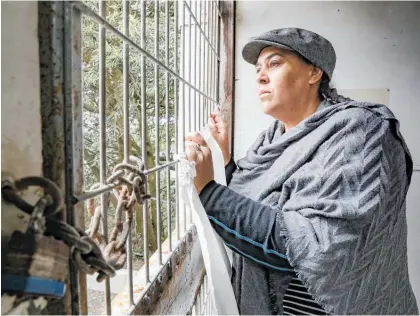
(246, 226)
(251, 229)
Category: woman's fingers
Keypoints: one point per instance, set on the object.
(195, 152)
(220, 133)
(213, 126)
(219, 121)
(191, 151)
(196, 138)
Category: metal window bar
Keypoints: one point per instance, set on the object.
(126, 148)
(176, 108)
(102, 141)
(194, 108)
(168, 176)
(190, 126)
(101, 21)
(143, 141)
(200, 81)
(158, 211)
(183, 122)
(201, 30)
(204, 302)
(74, 21)
(197, 65)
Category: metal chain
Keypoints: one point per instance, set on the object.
(88, 249)
(84, 251)
(10, 188)
(132, 191)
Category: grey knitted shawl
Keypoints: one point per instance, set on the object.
(338, 181)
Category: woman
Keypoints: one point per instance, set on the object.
(315, 212)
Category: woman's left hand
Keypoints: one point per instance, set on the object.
(196, 150)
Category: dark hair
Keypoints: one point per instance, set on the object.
(326, 91)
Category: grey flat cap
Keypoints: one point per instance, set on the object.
(310, 45)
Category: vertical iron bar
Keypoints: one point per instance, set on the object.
(190, 90)
(203, 297)
(71, 71)
(207, 303)
(126, 101)
(102, 140)
(206, 60)
(212, 59)
(74, 143)
(203, 72)
(218, 61)
(208, 299)
(216, 32)
(125, 81)
(198, 301)
(214, 44)
(195, 67)
(157, 149)
(183, 101)
(212, 55)
(190, 71)
(144, 139)
(203, 64)
(198, 18)
(207, 296)
(176, 105)
(168, 175)
(203, 59)
(211, 21)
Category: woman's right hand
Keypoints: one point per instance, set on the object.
(220, 132)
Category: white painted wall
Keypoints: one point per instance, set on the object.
(377, 46)
(21, 141)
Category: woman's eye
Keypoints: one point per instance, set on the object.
(274, 63)
(258, 70)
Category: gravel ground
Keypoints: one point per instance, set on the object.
(96, 302)
(96, 299)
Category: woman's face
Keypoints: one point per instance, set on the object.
(284, 81)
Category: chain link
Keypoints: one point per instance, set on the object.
(84, 251)
(132, 190)
(89, 249)
(11, 187)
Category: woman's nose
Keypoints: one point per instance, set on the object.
(262, 77)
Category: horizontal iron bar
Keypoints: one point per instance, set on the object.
(201, 30)
(86, 10)
(109, 187)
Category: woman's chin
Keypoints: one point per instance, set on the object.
(267, 108)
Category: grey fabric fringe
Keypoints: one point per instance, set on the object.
(339, 181)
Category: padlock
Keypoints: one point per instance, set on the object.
(34, 264)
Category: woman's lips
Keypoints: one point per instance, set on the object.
(264, 94)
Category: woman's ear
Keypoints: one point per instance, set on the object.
(316, 75)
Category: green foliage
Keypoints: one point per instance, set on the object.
(114, 98)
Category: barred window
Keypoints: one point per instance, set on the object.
(138, 75)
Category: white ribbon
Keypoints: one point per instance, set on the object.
(216, 260)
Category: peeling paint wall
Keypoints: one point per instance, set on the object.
(21, 144)
(21, 139)
(377, 46)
